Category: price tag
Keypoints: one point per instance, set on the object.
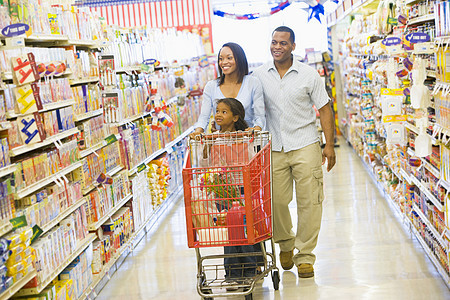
(111, 139)
(19, 222)
(37, 231)
(141, 168)
(392, 21)
(396, 49)
(15, 42)
(427, 47)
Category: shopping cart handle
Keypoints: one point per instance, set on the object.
(226, 135)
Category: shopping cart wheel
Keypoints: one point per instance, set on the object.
(249, 297)
(207, 291)
(276, 280)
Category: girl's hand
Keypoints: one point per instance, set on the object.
(196, 134)
(213, 126)
(256, 128)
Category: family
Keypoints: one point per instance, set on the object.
(278, 97)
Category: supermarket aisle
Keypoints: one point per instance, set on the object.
(363, 252)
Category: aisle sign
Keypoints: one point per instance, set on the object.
(391, 41)
(417, 37)
(15, 29)
(19, 222)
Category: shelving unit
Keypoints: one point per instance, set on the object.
(63, 215)
(8, 170)
(17, 286)
(83, 81)
(422, 19)
(42, 183)
(5, 228)
(96, 225)
(82, 246)
(101, 279)
(96, 184)
(48, 141)
(88, 115)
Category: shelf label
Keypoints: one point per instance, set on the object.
(417, 37)
(391, 41)
(37, 231)
(427, 47)
(15, 29)
(141, 168)
(111, 139)
(19, 222)
(151, 62)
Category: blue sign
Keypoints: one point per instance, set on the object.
(151, 61)
(15, 29)
(417, 37)
(391, 41)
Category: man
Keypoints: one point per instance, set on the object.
(291, 88)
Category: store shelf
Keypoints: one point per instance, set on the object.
(88, 115)
(432, 257)
(7, 76)
(8, 170)
(161, 151)
(96, 225)
(431, 74)
(425, 220)
(411, 2)
(433, 170)
(82, 246)
(101, 279)
(421, 19)
(132, 119)
(17, 286)
(5, 228)
(46, 107)
(128, 69)
(405, 176)
(63, 215)
(84, 80)
(44, 182)
(416, 131)
(48, 141)
(114, 171)
(46, 38)
(427, 193)
(91, 150)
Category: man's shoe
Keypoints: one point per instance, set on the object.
(286, 259)
(305, 271)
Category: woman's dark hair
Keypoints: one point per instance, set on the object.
(288, 30)
(239, 58)
(237, 109)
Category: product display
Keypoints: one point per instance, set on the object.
(93, 120)
(393, 68)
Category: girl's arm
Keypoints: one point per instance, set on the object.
(259, 111)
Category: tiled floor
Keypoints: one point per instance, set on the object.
(363, 253)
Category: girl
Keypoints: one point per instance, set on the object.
(230, 116)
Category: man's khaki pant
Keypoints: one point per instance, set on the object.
(304, 166)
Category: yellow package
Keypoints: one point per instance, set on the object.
(13, 270)
(17, 250)
(61, 291)
(13, 240)
(26, 235)
(14, 259)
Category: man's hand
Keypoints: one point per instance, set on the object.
(329, 155)
(256, 128)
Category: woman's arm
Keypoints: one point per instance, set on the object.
(206, 110)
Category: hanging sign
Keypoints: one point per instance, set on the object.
(111, 139)
(391, 41)
(151, 62)
(37, 232)
(15, 29)
(19, 222)
(392, 21)
(417, 37)
(141, 168)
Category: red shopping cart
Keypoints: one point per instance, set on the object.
(227, 193)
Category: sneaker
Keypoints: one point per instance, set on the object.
(232, 285)
(286, 259)
(305, 271)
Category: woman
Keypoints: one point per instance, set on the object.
(234, 82)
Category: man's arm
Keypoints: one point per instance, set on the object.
(327, 123)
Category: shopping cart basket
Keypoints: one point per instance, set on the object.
(227, 193)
